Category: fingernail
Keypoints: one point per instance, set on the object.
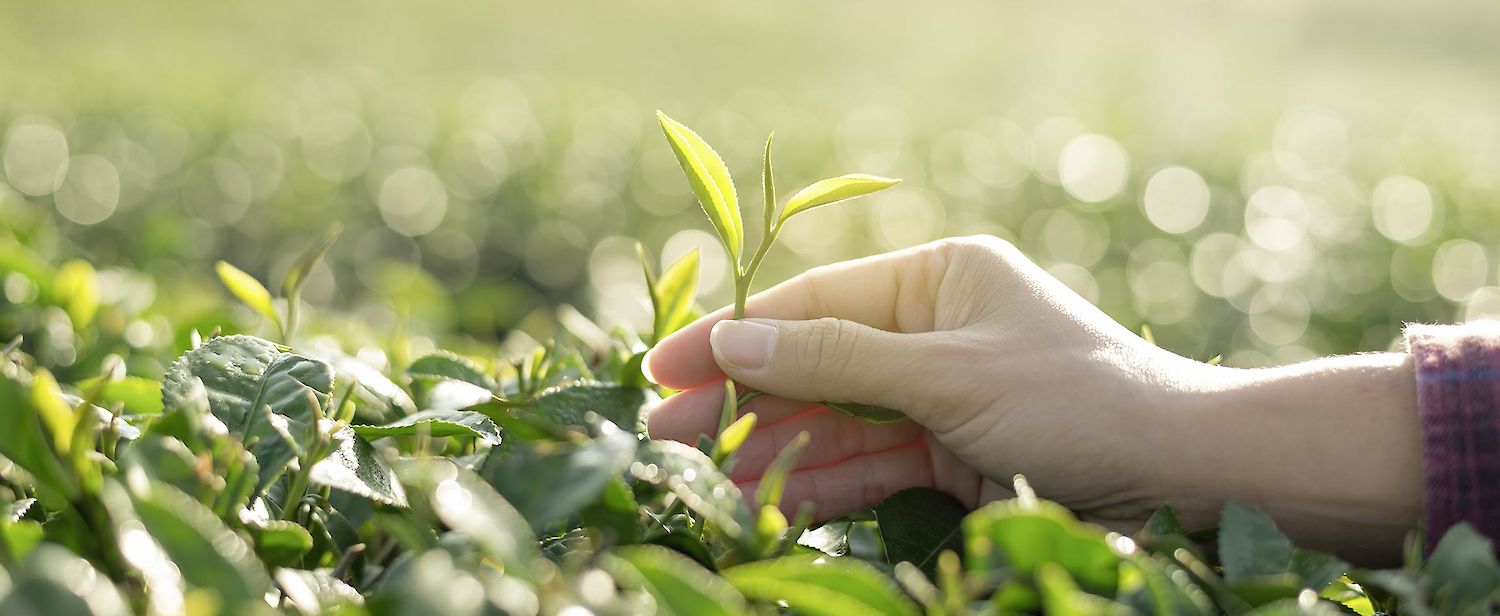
(745, 344)
(646, 367)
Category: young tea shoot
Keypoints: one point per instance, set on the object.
(714, 187)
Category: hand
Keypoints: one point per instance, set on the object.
(1004, 370)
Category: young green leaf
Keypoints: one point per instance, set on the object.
(248, 290)
(768, 188)
(711, 183)
(773, 481)
(867, 412)
(680, 586)
(834, 190)
(291, 285)
(673, 295)
(733, 436)
(821, 585)
(76, 288)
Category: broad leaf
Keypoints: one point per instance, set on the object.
(1023, 534)
(248, 290)
(12, 512)
(245, 375)
(468, 505)
(917, 524)
(680, 586)
(551, 481)
(355, 467)
(437, 423)
(1462, 571)
(821, 585)
(1250, 545)
(1316, 569)
(711, 183)
(867, 412)
(445, 365)
(56, 582)
(208, 555)
(834, 190)
(569, 405)
(279, 542)
(374, 386)
(316, 592)
(692, 477)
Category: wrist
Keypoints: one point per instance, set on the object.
(1330, 449)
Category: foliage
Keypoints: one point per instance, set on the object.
(292, 475)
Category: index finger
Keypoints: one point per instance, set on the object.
(894, 291)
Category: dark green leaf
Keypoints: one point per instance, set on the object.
(692, 477)
(688, 544)
(569, 405)
(1462, 571)
(917, 524)
(437, 423)
(1250, 545)
(244, 373)
(1316, 569)
(54, 582)
(11, 512)
(208, 555)
(554, 480)
(316, 592)
(354, 466)
(867, 412)
(821, 585)
(468, 505)
(444, 365)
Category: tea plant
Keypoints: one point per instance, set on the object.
(292, 476)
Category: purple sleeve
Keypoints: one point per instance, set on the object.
(1458, 396)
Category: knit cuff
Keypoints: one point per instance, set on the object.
(1458, 394)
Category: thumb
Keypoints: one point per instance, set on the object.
(827, 359)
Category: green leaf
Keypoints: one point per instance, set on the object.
(248, 290)
(917, 524)
(245, 373)
(24, 440)
(463, 501)
(1462, 572)
(569, 405)
(674, 293)
(821, 585)
(1169, 587)
(279, 542)
(711, 183)
(437, 423)
(445, 365)
(693, 477)
(733, 436)
(1060, 595)
(680, 586)
(373, 385)
(355, 467)
(687, 543)
(291, 285)
(1250, 545)
(13, 512)
(1316, 569)
(555, 481)
(616, 511)
(316, 592)
(76, 289)
(1022, 534)
(773, 480)
(139, 395)
(22, 536)
(55, 582)
(867, 412)
(208, 555)
(834, 190)
(768, 189)
(1163, 522)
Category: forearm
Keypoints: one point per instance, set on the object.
(1331, 449)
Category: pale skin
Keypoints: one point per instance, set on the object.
(1004, 370)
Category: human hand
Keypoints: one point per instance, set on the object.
(1003, 370)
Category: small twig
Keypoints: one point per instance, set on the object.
(341, 572)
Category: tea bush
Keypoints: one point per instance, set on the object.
(292, 474)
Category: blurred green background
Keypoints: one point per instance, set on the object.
(1264, 180)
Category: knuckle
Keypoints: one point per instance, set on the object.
(822, 353)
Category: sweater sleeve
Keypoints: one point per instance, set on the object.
(1458, 396)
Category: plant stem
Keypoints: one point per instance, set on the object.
(743, 279)
(294, 493)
